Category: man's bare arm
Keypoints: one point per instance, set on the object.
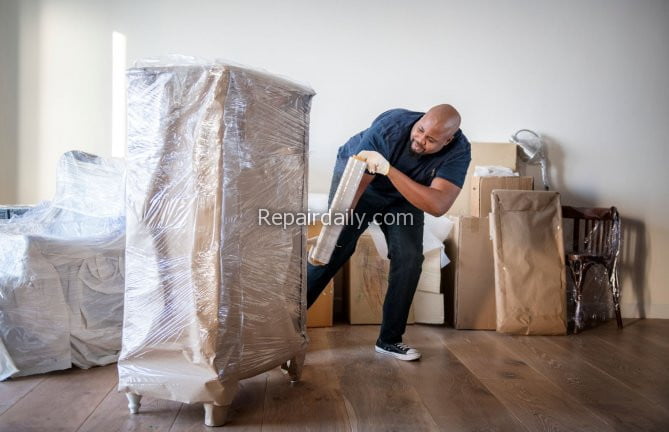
(435, 199)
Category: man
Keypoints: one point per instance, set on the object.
(417, 163)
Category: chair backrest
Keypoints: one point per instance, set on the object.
(596, 231)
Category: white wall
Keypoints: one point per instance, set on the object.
(592, 75)
(58, 76)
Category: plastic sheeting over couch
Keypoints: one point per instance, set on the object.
(62, 272)
(212, 296)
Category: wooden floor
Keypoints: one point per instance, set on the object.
(600, 380)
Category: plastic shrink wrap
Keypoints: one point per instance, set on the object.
(62, 272)
(213, 295)
(596, 304)
(342, 203)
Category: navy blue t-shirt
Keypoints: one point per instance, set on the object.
(389, 135)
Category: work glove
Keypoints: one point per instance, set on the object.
(376, 163)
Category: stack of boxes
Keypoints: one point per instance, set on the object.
(468, 281)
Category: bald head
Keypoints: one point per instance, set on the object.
(447, 116)
(435, 129)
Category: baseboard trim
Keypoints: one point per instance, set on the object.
(653, 310)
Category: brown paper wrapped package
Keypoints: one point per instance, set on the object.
(528, 249)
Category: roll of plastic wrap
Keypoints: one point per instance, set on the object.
(341, 203)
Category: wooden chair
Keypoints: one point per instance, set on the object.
(596, 240)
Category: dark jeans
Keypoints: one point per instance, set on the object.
(405, 251)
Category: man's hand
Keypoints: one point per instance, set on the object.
(376, 163)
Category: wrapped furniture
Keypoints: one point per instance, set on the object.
(62, 272)
(593, 236)
(213, 294)
(8, 212)
(528, 252)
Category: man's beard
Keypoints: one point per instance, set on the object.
(412, 152)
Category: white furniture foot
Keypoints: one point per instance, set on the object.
(215, 415)
(133, 402)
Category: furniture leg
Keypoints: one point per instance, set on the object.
(215, 415)
(294, 367)
(576, 269)
(615, 294)
(133, 402)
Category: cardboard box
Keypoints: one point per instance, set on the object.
(321, 312)
(428, 302)
(502, 154)
(314, 229)
(468, 281)
(481, 188)
(430, 276)
(368, 283)
(428, 307)
(528, 248)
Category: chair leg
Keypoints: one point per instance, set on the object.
(576, 270)
(614, 283)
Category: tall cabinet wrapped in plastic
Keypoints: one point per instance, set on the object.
(214, 292)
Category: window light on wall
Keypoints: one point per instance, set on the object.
(118, 95)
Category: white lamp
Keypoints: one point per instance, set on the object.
(531, 151)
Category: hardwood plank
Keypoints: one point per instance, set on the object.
(457, 400)
(620, 406)
(13, 389)
(316, 401)
(540, 408)
(62, 402)
(621, 363)
(534, 400)
(246, 411)
(112, 415)
(378, 395)
(649, 353)
(654, 331)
